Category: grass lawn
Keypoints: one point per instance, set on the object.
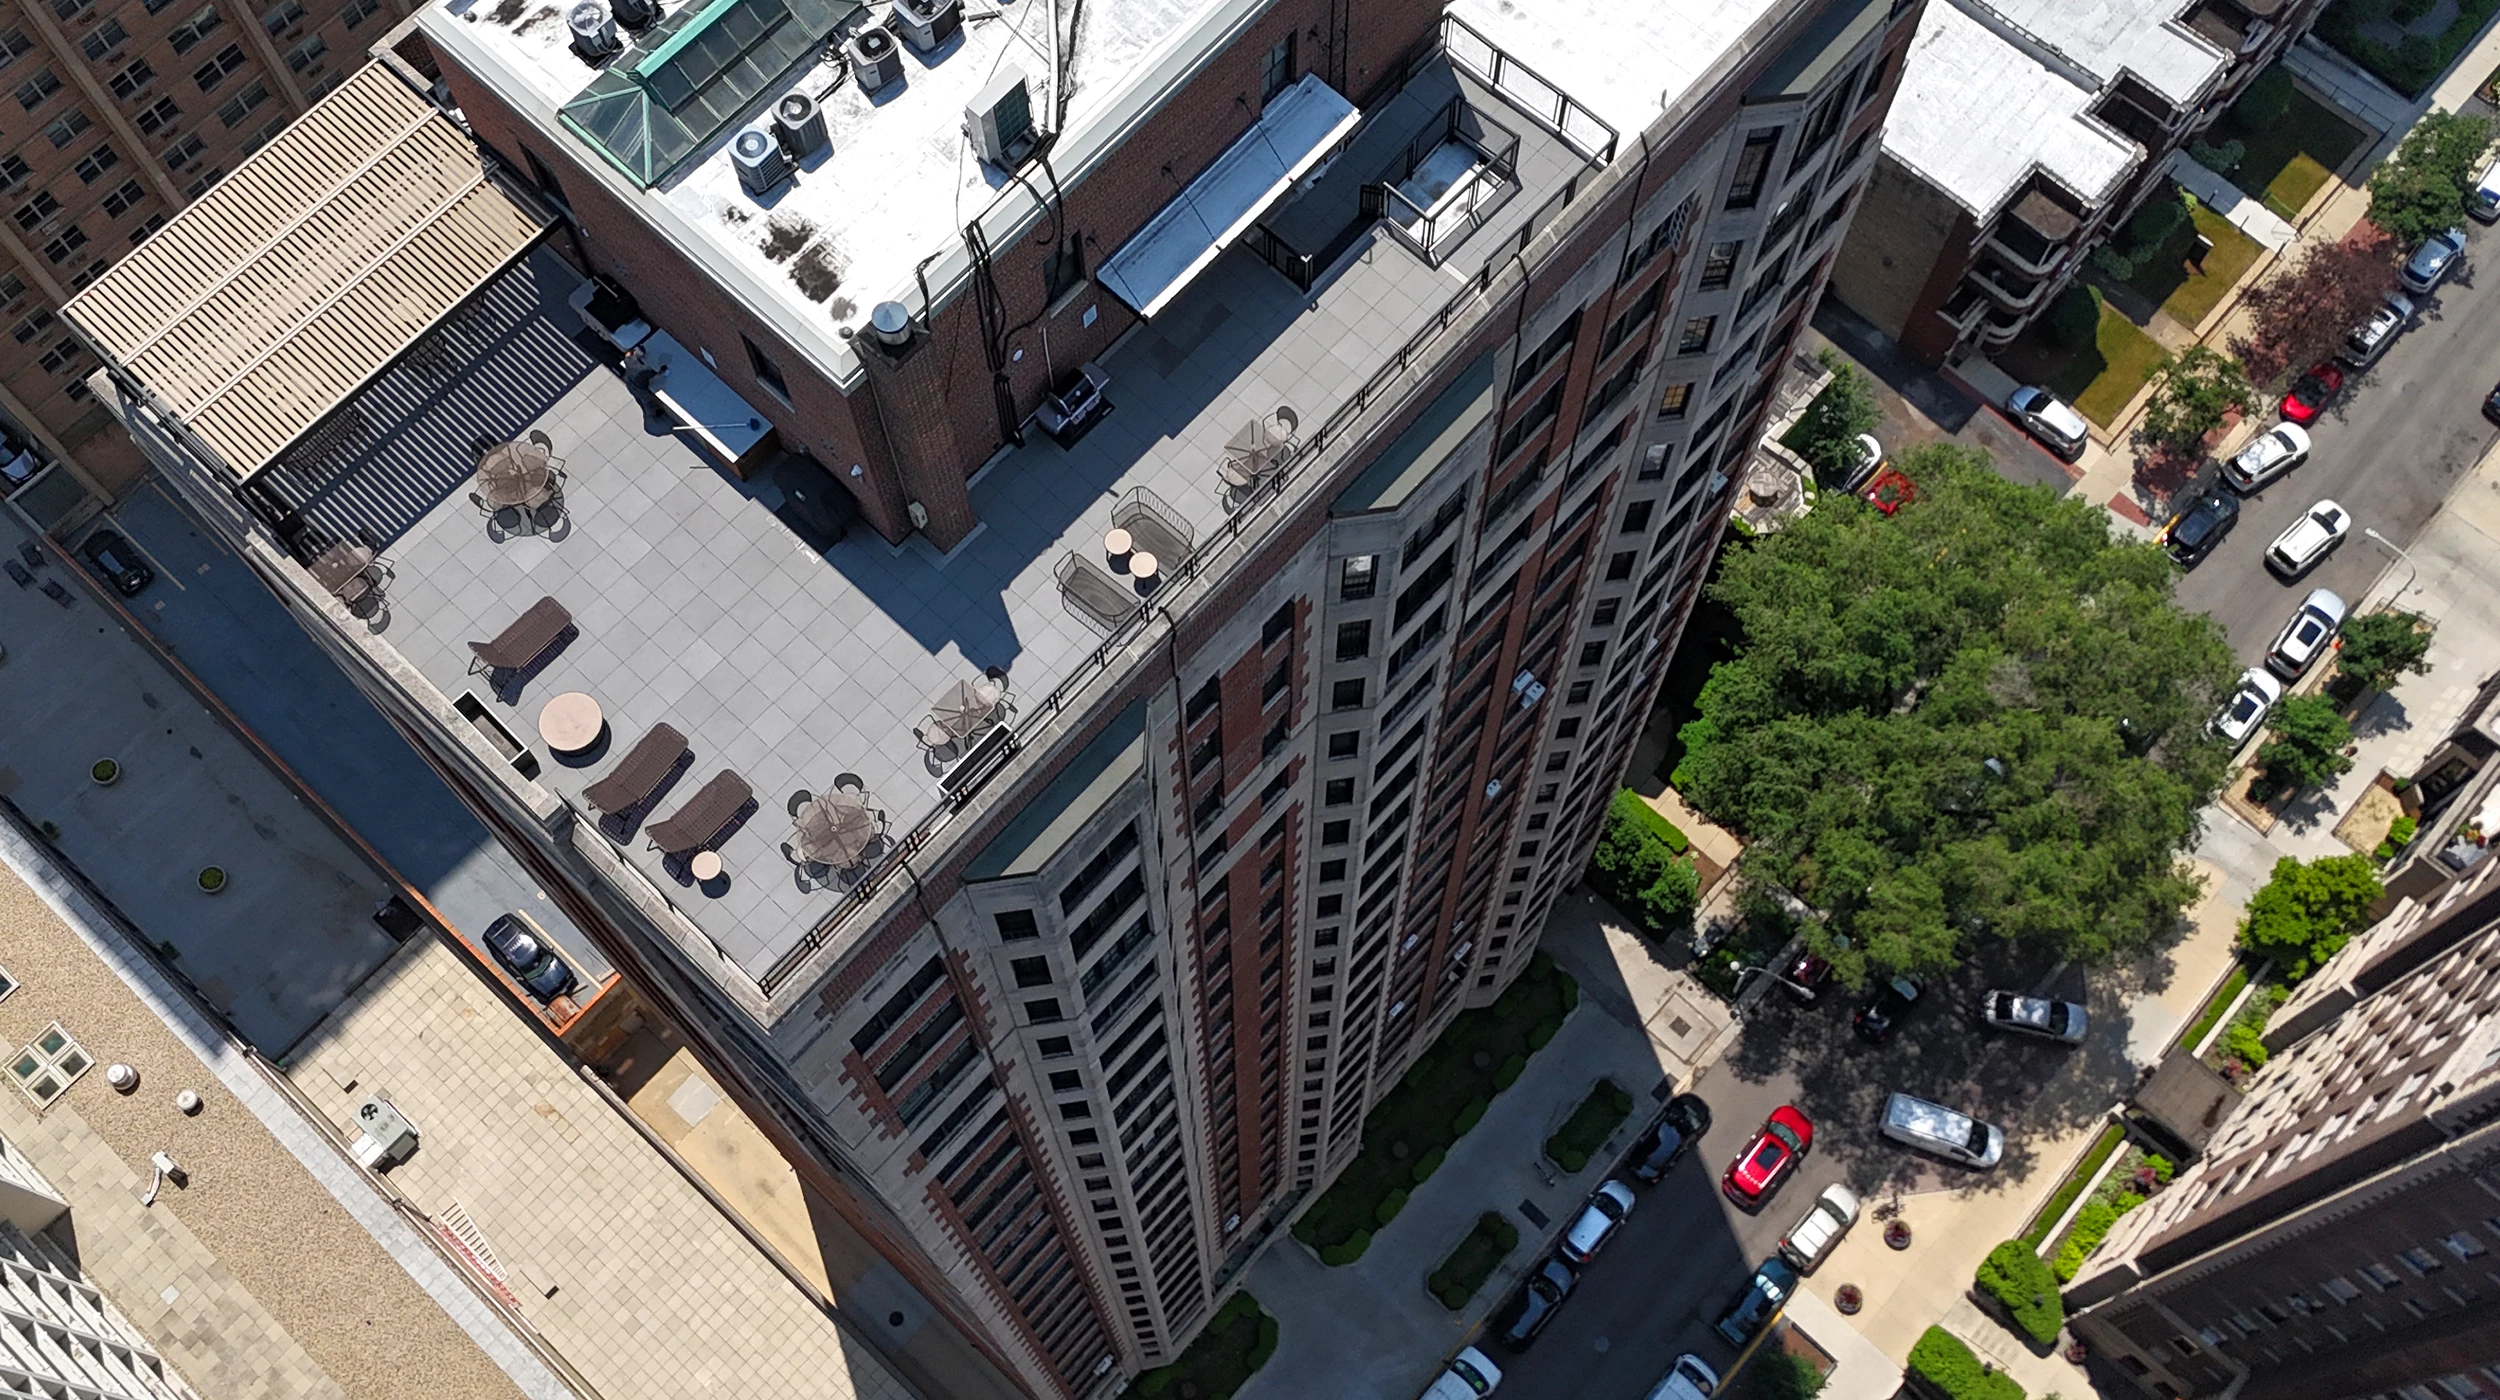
(1238, 1340)
(1480, 1055)
(1589, 1125)
(2097, 379)
(2215, 1005)
(2288, 161)
(1475, 1259)
(2188, 293)
(2085, 1170)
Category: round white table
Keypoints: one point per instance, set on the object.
(571, 722)
(704, 865)
(1142, 566)
(1116, 542)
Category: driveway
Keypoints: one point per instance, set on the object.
(2389, 450)
(1921, 406)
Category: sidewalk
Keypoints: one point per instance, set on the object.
(2249, 216)
(1368, 1330)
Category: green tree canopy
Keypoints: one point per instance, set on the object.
(2378, 647)
(2420, 190)
(2308, 744)
(1981, 717)
(1826, 434)
(2192, 392)
(2306, 912)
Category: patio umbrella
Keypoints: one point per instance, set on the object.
(836, 829)
(962, 707)
(514, 474)
(1252, 449)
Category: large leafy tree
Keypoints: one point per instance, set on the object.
(2302, 313)
(1826, 434)
(2420, 190)
(2306, 912)
(2193, 392)
(2307, 747)
(1979, 718)
(2378, 647)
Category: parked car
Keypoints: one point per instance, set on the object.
(1876, 1021)
(1668, 1139)
(1949, 1133)
(2308, 540)
(2483, 201)
(2309, 396)
(2370, 340)
(1769, 1158)
(2433, 262)
(516, 941)
(1534, 1305)
(2248, 706)
(2049, 418)
(1470, 1374)
(2305, 638)
(2056, 1020)
(116, 562)
(1597, 1222)
(1689, 1379)
(1810, 1240)
(1764, 1293)
(2268, 455)
(1806, 973)
(2491, 404)
(2194, 531)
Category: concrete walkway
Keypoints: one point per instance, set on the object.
(2248, 215)
(1368, 1330)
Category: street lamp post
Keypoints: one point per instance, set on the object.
(2413, 570)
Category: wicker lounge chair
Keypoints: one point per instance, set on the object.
(696, 824)
(1098, 597)
(1153, 526)
(527, 641)
(652, 761)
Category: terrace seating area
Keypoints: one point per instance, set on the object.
(700, 629)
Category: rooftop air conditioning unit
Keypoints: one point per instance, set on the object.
(799, 126)
(928, 23)
(1000, 119)
(637, 15)
(761, 161)
(593, 29)
(876, 59)
(384, 1137)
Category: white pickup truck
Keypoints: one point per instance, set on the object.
(1810, 1240)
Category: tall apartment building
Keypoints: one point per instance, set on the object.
(2026, 132)
(2341, 1236)
(1434, 337)
(125, 111)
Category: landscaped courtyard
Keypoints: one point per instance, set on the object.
(2287, 161)
(2099, 379)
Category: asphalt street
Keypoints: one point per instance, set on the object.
(2388, 450)
(1687, 1251)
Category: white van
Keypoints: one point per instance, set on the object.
(1690, 1379)
(1932, 1127)
(2483, 201)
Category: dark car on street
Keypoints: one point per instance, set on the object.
(1687, 1118)
(1881, 1016)
(116, 562)
(2193, 532)
(521, 946)
(1534, 1305)
(1764, 1294)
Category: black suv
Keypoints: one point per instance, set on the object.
(112, 557)
(2194, 532)
(1673, 1135)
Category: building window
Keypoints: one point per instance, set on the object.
(1277, 73)
(103, 39)
(1607, 610)
(1673, 400)
(1695, 337)
(1719, 267)
(1278, 626)
(67, 242)
(1751, 164)
(358, 11)
(67, 128)
(37, 90)
(281, 17)
(1556, 345)
(234, 109)
(124, 199)
(47, 1068)
(1042, 1012)
(1015, 925)
(1338, 792)
(60, 357)
(1669, 231)
(305, 54)
(14, 45)
(1345, 744)
(34, 211)
(1619, 566)
(1063, 269)
(185, 151)
(1354, 640)
(14, 171)
(93, 164)
(34, 324)
(1356, 577)
(156, 116)
(187, 35)
(70, 10)
(767, 373)
(1346, 695)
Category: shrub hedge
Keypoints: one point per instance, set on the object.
(1943, 1363)
(2020, 1280)
(1638, 866)
(1589, 1125)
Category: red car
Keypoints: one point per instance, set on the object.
(1769, 1158)
(2310, 396)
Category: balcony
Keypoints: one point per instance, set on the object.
(2006, 287)
(2035, 234)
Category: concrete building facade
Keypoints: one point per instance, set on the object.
(2341, 1237)
(1112, 991)
(125, 112)
(2026, 133)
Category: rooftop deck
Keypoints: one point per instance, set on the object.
(697, 607)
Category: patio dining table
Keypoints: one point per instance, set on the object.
(1251, 452)
(341, 570)
(836, 828)
(517, 474)
(964, 706)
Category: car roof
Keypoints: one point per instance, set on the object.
(2325, 600)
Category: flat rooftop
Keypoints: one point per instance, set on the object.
(697, 607)
(1626, 66)
(899, 179)
(2148, 38)
(1978, 113)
